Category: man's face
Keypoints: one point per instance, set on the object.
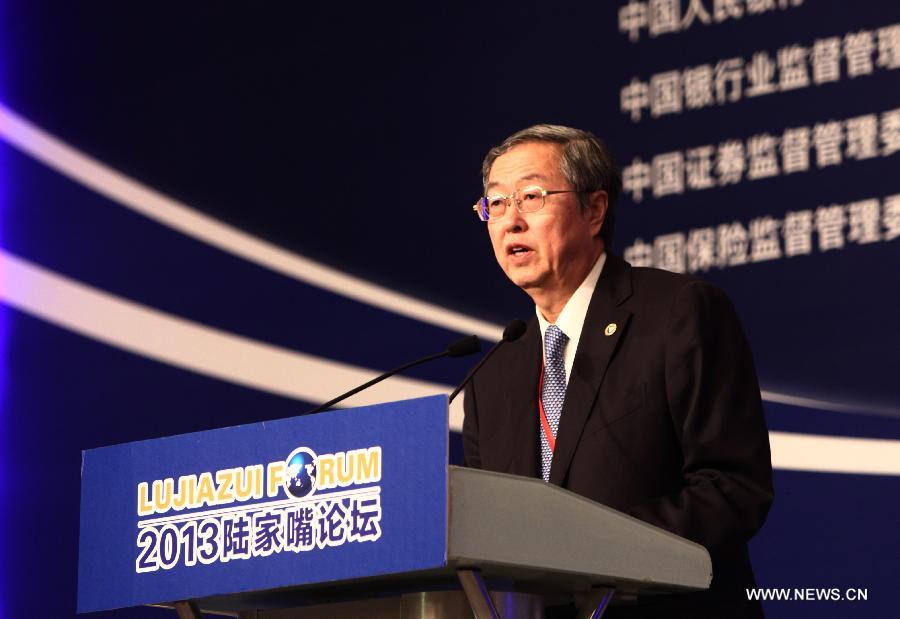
(550, 250)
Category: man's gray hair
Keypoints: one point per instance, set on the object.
(586, 164)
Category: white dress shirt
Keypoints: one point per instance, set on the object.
(571, 319)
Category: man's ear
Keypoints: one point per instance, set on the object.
(598, 201)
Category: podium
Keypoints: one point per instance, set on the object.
(353, 513)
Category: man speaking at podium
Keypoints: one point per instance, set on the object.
(634, 387)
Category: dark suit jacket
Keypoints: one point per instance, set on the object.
(662, 420)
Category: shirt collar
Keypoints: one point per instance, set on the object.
(571, 319)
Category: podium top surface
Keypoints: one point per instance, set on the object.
(528, 525)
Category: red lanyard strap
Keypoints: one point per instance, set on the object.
(545, 425)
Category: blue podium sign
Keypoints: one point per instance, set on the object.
(339, 495)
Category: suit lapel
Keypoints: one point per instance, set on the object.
(595, 350)
(521, 403)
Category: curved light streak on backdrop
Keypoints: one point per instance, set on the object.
(68, 161)
(192, 346)
(189, 345)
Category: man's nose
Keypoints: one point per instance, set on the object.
(512, 219)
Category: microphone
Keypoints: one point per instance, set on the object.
(511, 333)
(460, 348)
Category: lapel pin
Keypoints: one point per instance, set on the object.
(610, 329)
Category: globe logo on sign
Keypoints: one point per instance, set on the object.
(300, 474)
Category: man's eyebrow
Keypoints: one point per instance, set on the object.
(535, 176)
(527, 177)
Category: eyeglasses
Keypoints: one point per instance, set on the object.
(528, 200)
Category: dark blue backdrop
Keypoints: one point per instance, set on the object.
(353, 135)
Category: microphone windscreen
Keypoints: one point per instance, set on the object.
(468, 345)
(514, 330)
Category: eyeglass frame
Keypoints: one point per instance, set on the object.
(481, 206)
